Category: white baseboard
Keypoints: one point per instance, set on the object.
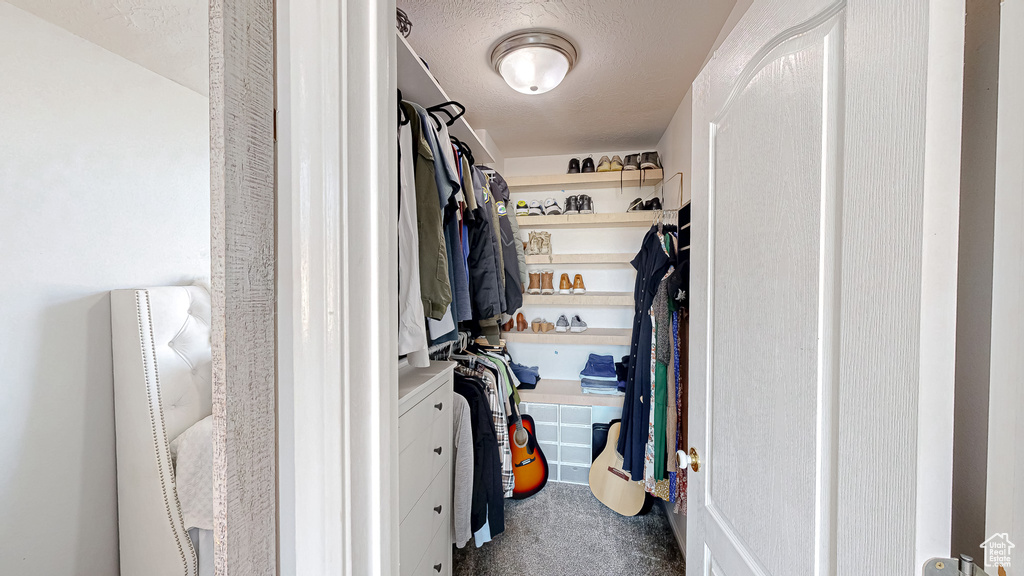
(678, 522)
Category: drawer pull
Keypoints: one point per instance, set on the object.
(437, 508)
(437, 568)
(439, 405)
(438, 450)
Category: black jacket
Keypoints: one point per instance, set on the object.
(488, 504)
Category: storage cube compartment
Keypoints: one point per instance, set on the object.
(574, 454)
(547, 432)
(579, 415)
(544, 413)
(574, 474)
(550, 451)
(580, 435)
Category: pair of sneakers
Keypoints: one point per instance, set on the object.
(612, 165)
(586, 167)
(579, 204)
(644, 161)
(576, 325)
(549, 207)
(639, 204)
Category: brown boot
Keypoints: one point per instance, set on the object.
(508, 326)
(577, 285)
(565, 287)
(534, 283)
(547, 278)
(521, 324)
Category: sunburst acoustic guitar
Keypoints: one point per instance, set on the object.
(611, 484)
(529, 466)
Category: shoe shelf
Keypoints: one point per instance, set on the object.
(642, 218)
(590, 337)
(580, 259)
(566, 392)
(589, 180)
(419, 85)
(588, 299)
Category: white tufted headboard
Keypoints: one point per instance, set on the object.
(162, 386)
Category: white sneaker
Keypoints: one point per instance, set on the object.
(551, 207)
(535, 209)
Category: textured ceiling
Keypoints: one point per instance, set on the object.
(637, 59)
(169, 37)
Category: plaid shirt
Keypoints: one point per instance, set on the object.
(497, 404)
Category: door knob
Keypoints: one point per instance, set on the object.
(692, 459)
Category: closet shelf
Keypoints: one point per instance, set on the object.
(419, 85)
(590, 180)
(588, 299)
(641, 218)
(566, 392)
(581, 259)
(592, 337)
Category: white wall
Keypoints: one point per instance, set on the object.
(564, 362)
(675, 148)
(104, 183)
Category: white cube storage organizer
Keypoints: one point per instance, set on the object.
(565, 436)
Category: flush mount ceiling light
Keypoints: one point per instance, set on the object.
(533, 62)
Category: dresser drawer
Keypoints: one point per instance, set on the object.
(440, 444)
(429, 515)
(420, 417)
(438, 559)
(423, 459)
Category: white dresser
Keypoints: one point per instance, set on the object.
(424, 469)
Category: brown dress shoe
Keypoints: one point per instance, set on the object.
(547, 279)
(565, 287)
(521, 324)
(577, 285)
(508, 326)
(534, 287)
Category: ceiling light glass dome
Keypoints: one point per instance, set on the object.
(534, 62)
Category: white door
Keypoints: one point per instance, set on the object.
(826, 155)
(1004, 516)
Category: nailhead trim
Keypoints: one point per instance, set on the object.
(156, 441)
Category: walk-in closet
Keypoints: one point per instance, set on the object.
(544, 239)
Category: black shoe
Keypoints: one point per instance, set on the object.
(572, 205)
(650, 161)
(588, 165)
(632, 162)
(635, 205)
(586, 204)
(653, 204)
(574, 166)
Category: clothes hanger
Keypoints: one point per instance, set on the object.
(451, 117)
(403, 118)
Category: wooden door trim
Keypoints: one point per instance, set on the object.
(243, 291)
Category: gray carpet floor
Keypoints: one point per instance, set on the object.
(565, 531)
